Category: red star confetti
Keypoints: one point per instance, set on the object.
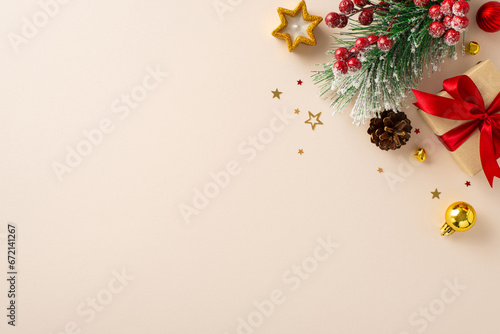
(417, 131)
(299, 82)
(467, 184)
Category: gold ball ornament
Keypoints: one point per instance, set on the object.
(472, 48)
(459, 216)
(420, 154)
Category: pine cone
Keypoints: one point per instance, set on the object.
(390, 130)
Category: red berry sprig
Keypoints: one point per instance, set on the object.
(348, 61)
(348, 8)
(450, 19)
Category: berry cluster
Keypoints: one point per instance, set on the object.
(450, 19)
(347, 9)
(347, 60)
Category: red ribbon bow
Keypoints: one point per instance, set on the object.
(467, 105)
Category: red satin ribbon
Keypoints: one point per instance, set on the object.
(467, 104)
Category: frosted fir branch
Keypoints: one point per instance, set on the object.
(385, 79)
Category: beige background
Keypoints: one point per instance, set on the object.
(119, 209)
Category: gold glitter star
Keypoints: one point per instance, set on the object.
(435, 194)
(314, 122)
(276, 93)
(299, 26)
(297, 111)
(301, 151)
(380, 170)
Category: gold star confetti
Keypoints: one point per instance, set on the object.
(435, 194)
(276, 93)
(301, 151)
(380, 170)
(314, 122)
(294, 28)
(297, 111)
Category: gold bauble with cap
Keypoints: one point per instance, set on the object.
(459, 216)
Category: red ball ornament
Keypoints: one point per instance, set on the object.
(372, 39)
(360, 3)
(461, 8)
(354, 65)
(346, 7)
(332, 20)
(353, 50)
(365, 17)
(384, 43)
(435, 12)
(341, 54)
(460, 23)
(488, 16)
(451, 37)
(340, 68)
(421, 3)
(362, 44)
(436, 29)
(447, 21)
(447, 7)
(343, 21)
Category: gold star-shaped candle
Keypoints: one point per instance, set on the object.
(297, 26)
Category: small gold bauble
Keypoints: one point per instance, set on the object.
(420, 154)
(472, 48)
(459, 216)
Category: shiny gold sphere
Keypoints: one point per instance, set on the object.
(420, 154)
(459, 216)
(473, 48)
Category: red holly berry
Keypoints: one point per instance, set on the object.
(360, 3)
(346, 7)
(383, 6)
(436, 29)
(421, 3)
(447, 21)
(332, 20)
(451, 37)
(354, 65)
(461, 8)
(340, 68)
(460, 23)
(435, 12)
(365, 17)
(384, 43)
(362, 44)
(343, 21)
(353, 50)
(447, 7)
(341, 54)
(372, 39)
